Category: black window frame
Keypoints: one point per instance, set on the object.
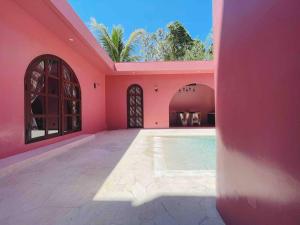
(60, 114)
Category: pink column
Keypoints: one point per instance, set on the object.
(258, 111)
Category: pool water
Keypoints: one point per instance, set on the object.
(184, 153)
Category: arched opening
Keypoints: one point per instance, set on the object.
(135, 107)
(52, 99)
(192, 106)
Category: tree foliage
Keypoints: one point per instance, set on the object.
(196, 52)
(154, 46)
(113, 43)
(170, 44)
(179, 41)
(209, 47)
(175, 44)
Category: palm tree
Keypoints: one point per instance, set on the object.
(113, 43)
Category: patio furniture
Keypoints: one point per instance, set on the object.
(184, 117)
(196, 119)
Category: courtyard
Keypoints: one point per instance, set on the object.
(117, 125)
(107, 178)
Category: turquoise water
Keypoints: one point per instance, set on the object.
(189, 152)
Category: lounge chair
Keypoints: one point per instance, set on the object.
(196, 119)
(184, 117)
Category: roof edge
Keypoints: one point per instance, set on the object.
(65, 10)
(164, 67)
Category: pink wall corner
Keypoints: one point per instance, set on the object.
(22, 39)
(258, 108)
(156, 104)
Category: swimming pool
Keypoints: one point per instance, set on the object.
(185, 155)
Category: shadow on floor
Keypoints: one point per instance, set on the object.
(50, 184)
(166, 210)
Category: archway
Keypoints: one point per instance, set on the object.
(193, 105)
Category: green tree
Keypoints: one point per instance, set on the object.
(175, 44)
(196, 52)
(113, 43)
(179, 40)
(209, 47)
(209, 54)
(154, 46)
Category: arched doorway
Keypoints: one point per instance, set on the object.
(52, 99)
(192, 105)
(135, 107)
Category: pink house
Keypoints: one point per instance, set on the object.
(56, 30)
(50, 59)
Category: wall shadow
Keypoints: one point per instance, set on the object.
(165, 210)
(60, 178)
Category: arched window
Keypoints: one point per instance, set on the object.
(135, 109)
(52, 99)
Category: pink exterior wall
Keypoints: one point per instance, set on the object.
(22, 39)
(258, 111)
(156, 104)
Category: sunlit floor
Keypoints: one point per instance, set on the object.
(111, 178)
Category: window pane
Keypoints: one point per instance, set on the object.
(71, 91)
(76, 92)
(132, 100)
(37, 104)
(131, 111)
(138, 90)
(53, 106)
(68, 90)
(40, 67)
(76, 122)
(139, 122)
(132, 122)
(139, 111)
(71, 107)
(53, 67)
(53, 86)
(132, 91)
(72, 123)
(138, 100)
(53, 125)
(67, 75)
(37, 127)
(67, 124)
(37, 82)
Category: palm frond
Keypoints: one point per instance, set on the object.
(113, 43)
(104, 39)
(130, 44)
(117, 39)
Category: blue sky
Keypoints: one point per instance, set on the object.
(196, 15)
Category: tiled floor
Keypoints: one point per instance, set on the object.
(109, 179)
